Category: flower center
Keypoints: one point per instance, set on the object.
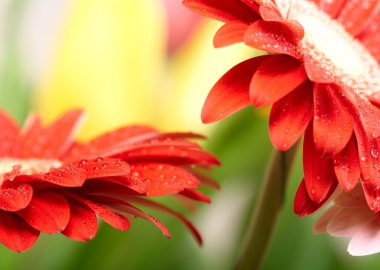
(11, 167)
(332, 48)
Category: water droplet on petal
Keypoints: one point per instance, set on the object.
(374, 153)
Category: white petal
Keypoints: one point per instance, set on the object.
(366, 240)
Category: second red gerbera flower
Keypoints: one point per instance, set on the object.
(321, 76)
(51, 183)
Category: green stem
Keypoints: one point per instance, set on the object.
(266, 212)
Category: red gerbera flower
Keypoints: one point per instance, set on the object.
(321, 75)
(50, 183)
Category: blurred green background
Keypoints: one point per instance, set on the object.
(149, 61)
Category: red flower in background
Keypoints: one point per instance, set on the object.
(322, 77)
(51, 183)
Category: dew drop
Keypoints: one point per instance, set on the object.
(82, 162)
(374, 153)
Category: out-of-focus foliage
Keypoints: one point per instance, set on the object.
(111, 57)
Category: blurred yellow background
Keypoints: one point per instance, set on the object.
(117, 59)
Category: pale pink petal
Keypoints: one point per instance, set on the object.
(367, 240)
(353, 199)
(348, 221)
(320, 226)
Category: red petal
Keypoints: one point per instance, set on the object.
(269, 12)
(290, 116)
(57, 137)
(164, 140)
(127, 208)
(375, 97)
(252, 4)
(370, 37)
(369, 157)
(15, 233)
(103, 187)
(319, 172)
(103, 167)
(275, 78)
(115, 220)
(364, 113)
(369, 116)
(222, 10)
(50, 142)
(315, 72)
(111, 142)
(280, 37)
(171, 212)
(303, 204)
(332, 7)
(134, 185)
(347, 166)
(83, 223)
(163, 179)
(332, 124)
(47, 212)
(67, 175)
(365, 118)
(15, 198)
(207, 181)
(231, 93)
(179, 135)
(76, 173)
(26, 145)
(195, 195)
(170, 154)
(229, 33)
(372, 197)
(9, 131)
(355, 15)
